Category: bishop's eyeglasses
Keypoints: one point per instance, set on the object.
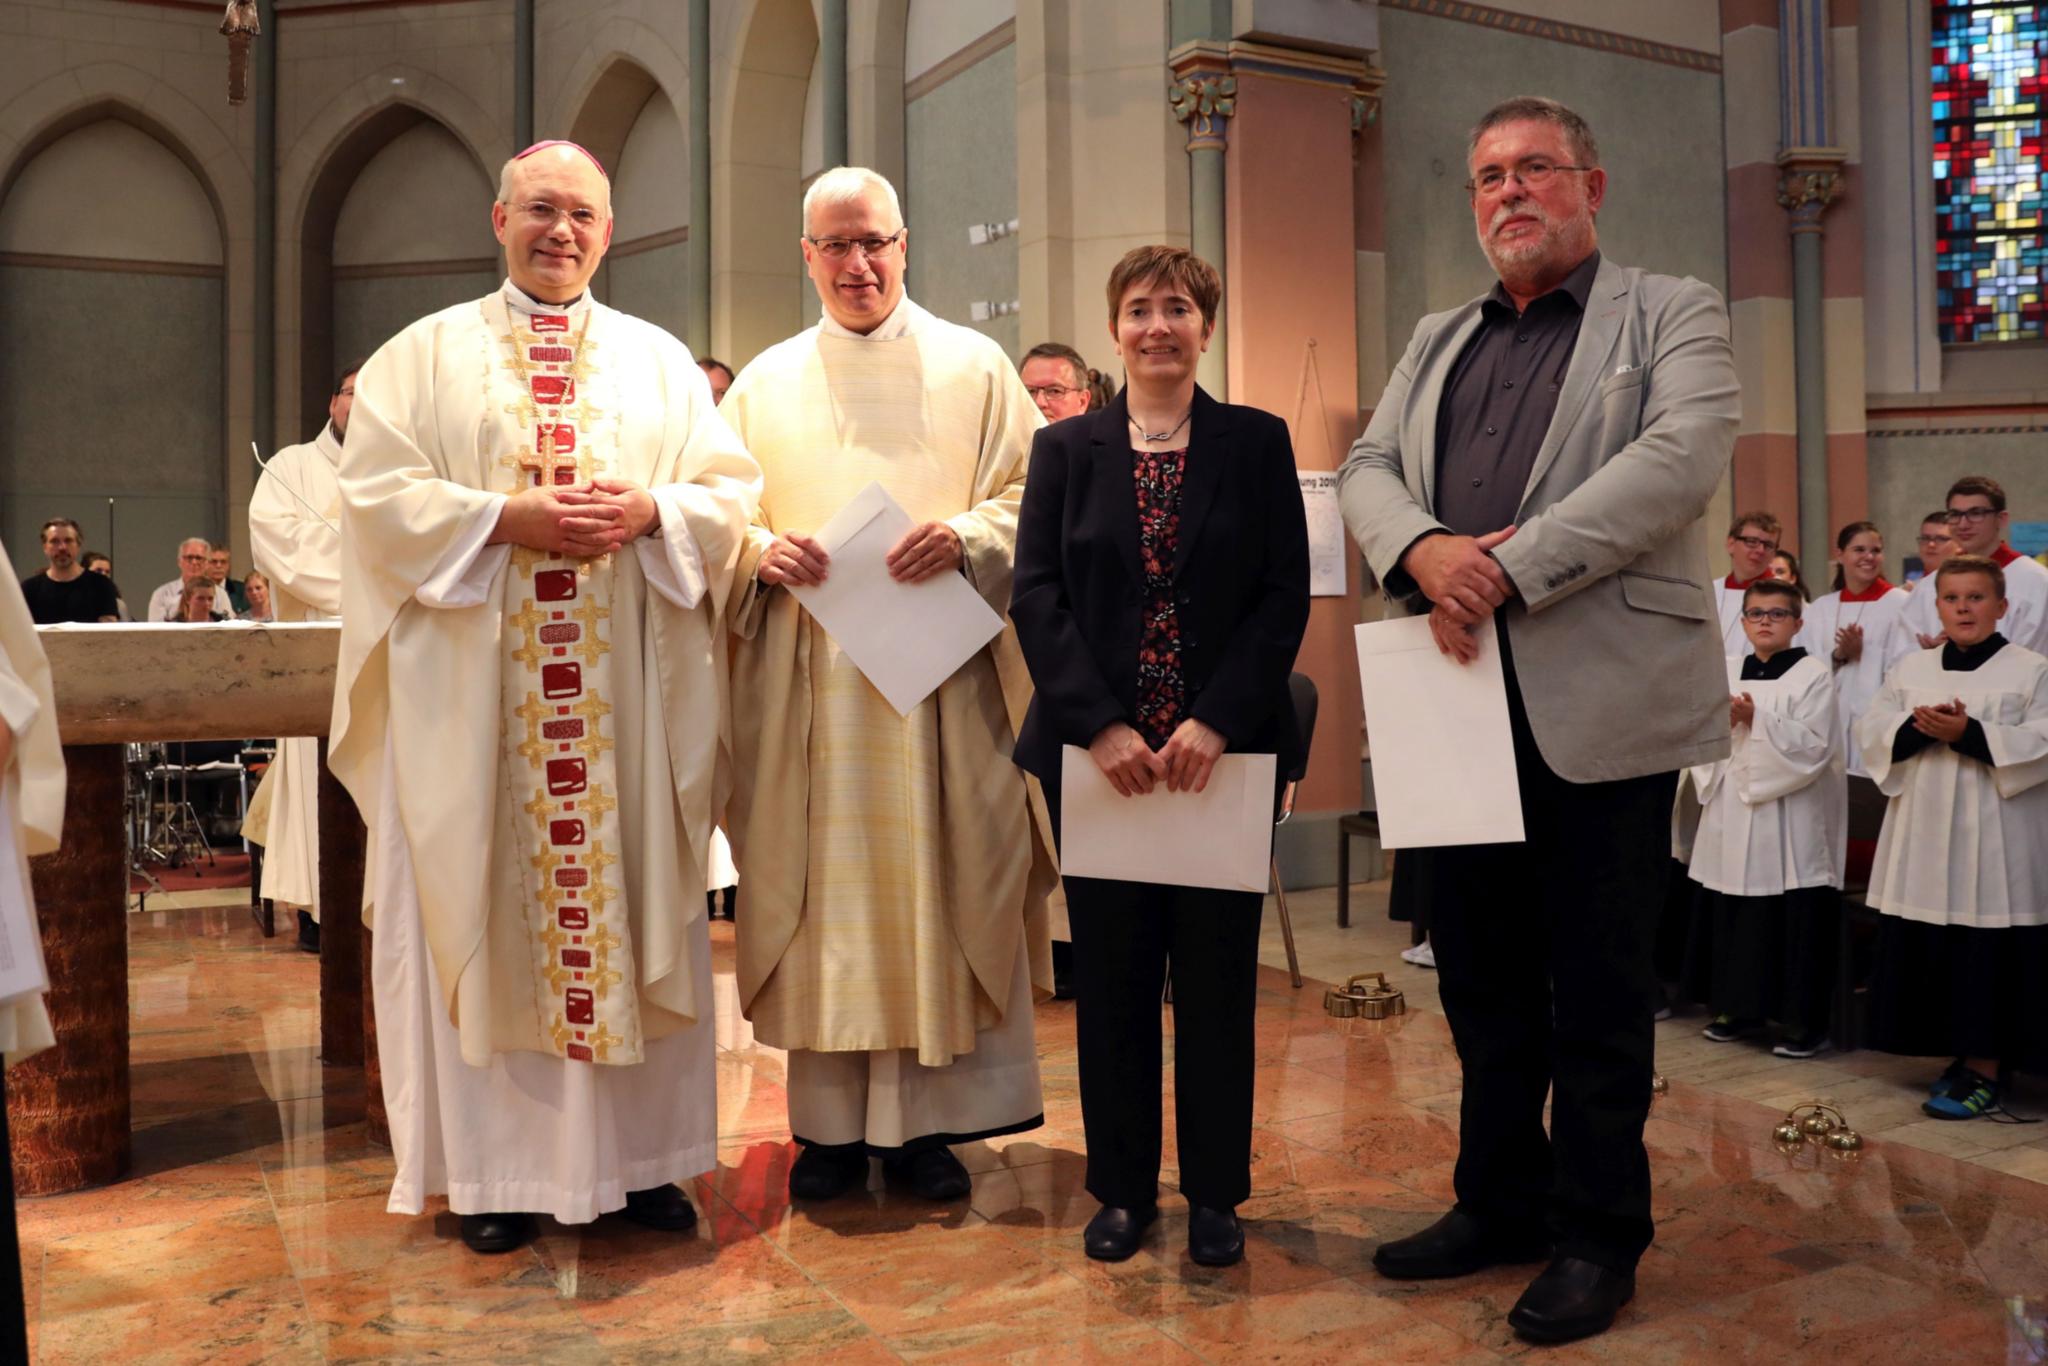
(837, 248)
(542, 214)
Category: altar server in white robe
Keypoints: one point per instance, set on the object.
(541, 513)
(1752, 541)
(1768, 856)
(1978, 523)
(31, 812)
(295, 533)
(1957, 738)
(1852, 629)
(895, 925)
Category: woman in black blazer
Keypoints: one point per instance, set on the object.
(1161, 593)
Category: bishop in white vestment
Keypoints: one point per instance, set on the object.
(295, 533)
(541, 514)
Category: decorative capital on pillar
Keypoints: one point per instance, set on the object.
(1809, 181)
(1203, 93)
(1365, 100)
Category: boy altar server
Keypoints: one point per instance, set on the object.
(1768, 854)
(1958, 739)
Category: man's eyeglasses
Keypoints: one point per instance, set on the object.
(542, 214)
(1756, 542)
(1934, 540)
(1531, 172)
(836, 248)
(1055, 392)
(1763, 614)
(1959, 515)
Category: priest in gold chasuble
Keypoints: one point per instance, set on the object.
(894, 926)
(541, 514)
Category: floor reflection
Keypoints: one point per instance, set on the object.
(253, 1227)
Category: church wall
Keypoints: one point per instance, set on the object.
(645, 271)
(1910, 471)
(962, 139)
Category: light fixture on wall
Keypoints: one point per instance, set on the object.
(981, 234)
(982, 310)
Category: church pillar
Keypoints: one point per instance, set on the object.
(1291, 316)
(1202, 97)
(263, 243)
(697, 247)
(1809, 184)
(67, 1107)
(522, 74)
(832, 75)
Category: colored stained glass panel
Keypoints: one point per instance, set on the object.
(1990, 91)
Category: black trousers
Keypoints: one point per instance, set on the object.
(1544, 969)
(1126, 936)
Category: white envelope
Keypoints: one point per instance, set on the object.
(907, 638)
(1443, 758)
(1220, 837)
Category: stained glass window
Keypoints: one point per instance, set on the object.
(1990, 253)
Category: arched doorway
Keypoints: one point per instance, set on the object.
(756, 180)
(113, 396)
(631, 124)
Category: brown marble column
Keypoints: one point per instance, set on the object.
(342, 844)
(67, 1107)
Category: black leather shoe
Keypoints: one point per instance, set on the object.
(1115, 1232)
(1572, 1299)
(1215, 1238)
(1455, 1245)
(827, 1173)
(663, 1207)
(493, 1233)
(309, 933)
(931, 1174)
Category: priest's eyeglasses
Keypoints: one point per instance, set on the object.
(542, 214)
(1530, 172)
(837, 248)
(1762, 614)
(1055, 392)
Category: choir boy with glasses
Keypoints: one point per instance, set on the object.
(1767, 859)
(1977, 524)
(1752, 541)
(1957, 738)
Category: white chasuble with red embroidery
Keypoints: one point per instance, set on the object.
(548, 733)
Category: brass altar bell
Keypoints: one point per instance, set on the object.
(1365, 997)
(1659, 1084)
(1820, 1123)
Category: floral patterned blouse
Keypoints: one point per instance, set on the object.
(1162, 690)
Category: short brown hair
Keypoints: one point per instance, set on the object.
(1938, 515)
(1971, 564)
(1175, 266)
(1982, 484)
(1775, 588)
(44, 534)
(1763, 521)
(1579, 133)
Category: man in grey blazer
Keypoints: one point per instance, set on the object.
(1540, 457)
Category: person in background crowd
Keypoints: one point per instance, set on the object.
(1752, 541)
(196, 603)
(97, 563)
(720, 376)
(1977, 523)
(1060, 382)
(1785, 569)
(64, 590)
(164, 602)
(257, 589)
(229, 594)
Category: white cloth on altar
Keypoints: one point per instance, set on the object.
(530, 1133)
(886, 1097)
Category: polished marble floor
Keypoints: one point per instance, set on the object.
(253, 1228)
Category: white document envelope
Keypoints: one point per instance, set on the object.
(1221, 836)
(1443, 760)
(907, 638)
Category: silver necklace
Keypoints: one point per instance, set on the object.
(1166, 435)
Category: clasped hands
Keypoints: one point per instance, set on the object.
(1741, 710)
(1133, 768)
(581, 521)
(924, 551)
(1849, 644)
(1459, 575)
(1946, 722)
